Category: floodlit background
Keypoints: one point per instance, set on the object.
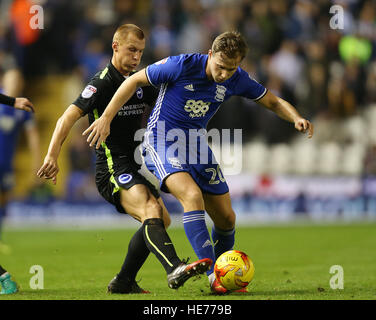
(328, 74)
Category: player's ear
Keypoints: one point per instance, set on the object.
(210, 53)
(115, 46)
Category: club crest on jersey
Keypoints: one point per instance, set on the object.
(125, 178)
(220, 93)
(88, 91)
(140, 93)
(197, 108)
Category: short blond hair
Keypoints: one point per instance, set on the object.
(231, 43)
(122, 32)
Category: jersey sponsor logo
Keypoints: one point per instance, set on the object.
(125, 178)
(139, 93)
(175, 162)
(163, 61)
(189, 87)
(220, 93)
(132, 109)
(197, 108)
(88, 91)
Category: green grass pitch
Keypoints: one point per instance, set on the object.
(291, 262)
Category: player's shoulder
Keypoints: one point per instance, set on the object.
(191, 59)
(101, 78)
(99, 82)
(182, 59)
(243, 75)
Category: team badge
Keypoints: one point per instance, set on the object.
(140, 93)
(125, 178)
(220, 93)
(88, 91)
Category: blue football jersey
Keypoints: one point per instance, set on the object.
(187, 98)
(11, 121)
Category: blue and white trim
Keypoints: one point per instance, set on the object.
(193, 217)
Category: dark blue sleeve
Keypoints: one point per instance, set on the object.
(166, 70)
(248, 87)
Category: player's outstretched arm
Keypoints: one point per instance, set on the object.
(287, 112)
(50, 168)
(18, 103)
(100, 128)
(24, 104)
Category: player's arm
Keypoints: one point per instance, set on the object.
(100, 128)
(18, 103)
(50, 169)
(287, 112)
(33, 141)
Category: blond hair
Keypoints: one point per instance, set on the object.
(122, 32)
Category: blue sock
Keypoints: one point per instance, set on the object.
(198, 235)
(223, 240)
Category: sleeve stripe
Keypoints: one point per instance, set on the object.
(263, 94)
(147, 76)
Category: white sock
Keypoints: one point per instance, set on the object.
(211, 278)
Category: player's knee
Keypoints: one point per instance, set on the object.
(193, 198)
(153, 209)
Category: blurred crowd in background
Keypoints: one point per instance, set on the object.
(328, 74)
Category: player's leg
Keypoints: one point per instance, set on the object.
(223, 232)
(185, 189)
(140, 203)
(138, 251)
(4, 198)
(125, 281)
(220, 211)
(165, 215)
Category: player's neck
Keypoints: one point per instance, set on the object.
(207, 70)
(118, 67)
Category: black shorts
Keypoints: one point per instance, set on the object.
(119, 173)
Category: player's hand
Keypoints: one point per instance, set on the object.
(99, 131)
(304, 126)
(24, 104)
(49, 169)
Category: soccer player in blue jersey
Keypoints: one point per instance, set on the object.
(10, 121)
(193, 86)
(116, 172)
